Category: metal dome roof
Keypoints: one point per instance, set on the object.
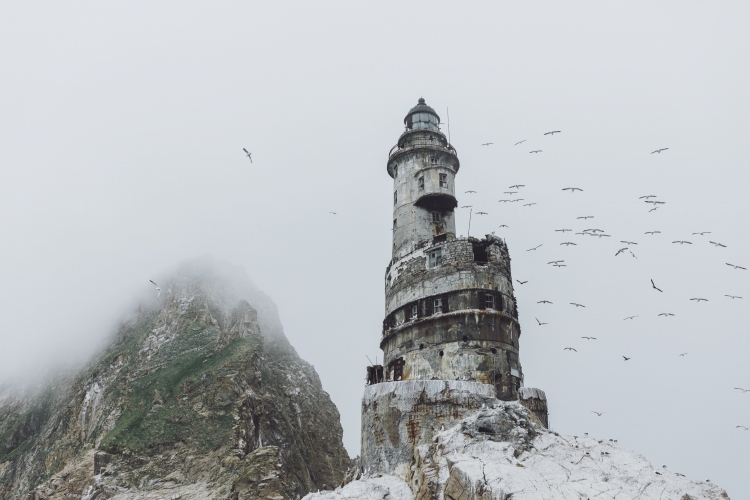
(421, 107)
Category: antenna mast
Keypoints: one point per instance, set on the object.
(449, 125)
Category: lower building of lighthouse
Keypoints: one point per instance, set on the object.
(451, 334)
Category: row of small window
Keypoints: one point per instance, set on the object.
(433, 161)
(443, 184)
(437, 218)
(439, 305)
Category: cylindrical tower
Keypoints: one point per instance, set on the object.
(450, 310)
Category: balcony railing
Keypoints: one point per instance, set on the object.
(418, 144)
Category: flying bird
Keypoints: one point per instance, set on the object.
(586, 217)
(158, 290)
(625, 358)
(334, 213)
(704, 232)
(528, 204)
(682, 242)
(572, 190)
(589, 338)
(699, 299)
(629, 242)
(517, 199)
(559, 265)
(683, 353)
(741, 389)
(652, 232)
(631, 317)
(502, 225)
(519, 142)
(659, 150)
(562, 230)
(552, 132)
(736, 267)
(540, 323)
(517, 186)
(487, 143)
(481, 213)
(597, 413)
(568, 243)
(576, 304)
(510, 192)
(248, 154)
(647, 196)
(555, 261)
(467, 206)
(666, 314)
(620, 251)
(654, 286)
(601, 235)
(733, 296)
(503, 201)
(741, 427)
(569, 349)
(469, 191)
(717, 244)
(530, 249)
(631, 253)
(544, 302)
(653, 209)
(536, 151)
(522, 282)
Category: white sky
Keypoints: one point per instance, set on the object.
(122, 128)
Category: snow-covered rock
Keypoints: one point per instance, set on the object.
(499, 453)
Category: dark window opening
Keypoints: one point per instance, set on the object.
(395, 223)
(443, 180)
(437, 217)
(493, 350)
(421, 346)
(507, 357)
(421, 183)
(433, 161)
(398, 369)
(436, 257)
(480, 253)
(374, 374)
(395, 197)
(437, 306)
(489, 300)
(414, 312)
(395, 171)
(482, 300)
(465, 338)
(441, 354)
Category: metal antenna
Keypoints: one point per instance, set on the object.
(449, 125)
(368, 359)
(469, 230)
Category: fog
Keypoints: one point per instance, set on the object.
(122, 133)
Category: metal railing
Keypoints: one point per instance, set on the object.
(418, 144)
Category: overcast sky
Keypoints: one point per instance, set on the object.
(122, 131)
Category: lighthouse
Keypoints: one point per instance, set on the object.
(450, 335)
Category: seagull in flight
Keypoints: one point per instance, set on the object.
(552, 132)
(572, 190)
(629, 242)
(733, 296)
(586, 217)
(501, 225)
(699, 299)
(647, 196)
(334, 213)
(467, 206)
(683, 353)
(487, 143)
(503, 201)
(469, 191)
(522, 282)
(704, 232)
(631, 317)
(559, 265)
(666, 314)
(620, 251)
(736, 267)
(569, 349)
(568, 243)
(659, 150)
(742, 427)
(597, 413)
(625, 358)
(248, 154)
(653, 209)
(589, 338)
(510, 192)
(528, 204)
(652, 232)
(717, 244)
(555, 261)
(519, 142)
(540, 323)
(576, 304)
(517, 186)
(481, 213)
(682, 242)
(530, 249)
(536, 151)
(517, 199)
(562, 230)
(741, 389)
(544, 302)
(654, 286)
(158, 290)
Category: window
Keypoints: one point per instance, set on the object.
(395, 197)
(414, 312)
(395, 171)
(489, 301)
(395, 223)
(436, 257)
(436, 217)
(443, 180)
(433, 161)
(421, 183)
(437, 306)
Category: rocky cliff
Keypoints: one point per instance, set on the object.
(197, 395)
(502, 452)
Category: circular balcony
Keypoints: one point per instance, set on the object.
(415, 144)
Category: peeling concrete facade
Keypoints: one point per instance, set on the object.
(450, 312)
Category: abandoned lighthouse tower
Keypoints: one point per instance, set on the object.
(450, 334)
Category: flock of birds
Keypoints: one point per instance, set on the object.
(626, 249)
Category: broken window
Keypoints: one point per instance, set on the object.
(436, 257)
(437, 217)
(433, 161)
(437, 306)
(398, 369)
(489, 301)
(414, 311)
(421, 183)
(395, 197)
(443, 180)
(395, 223)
